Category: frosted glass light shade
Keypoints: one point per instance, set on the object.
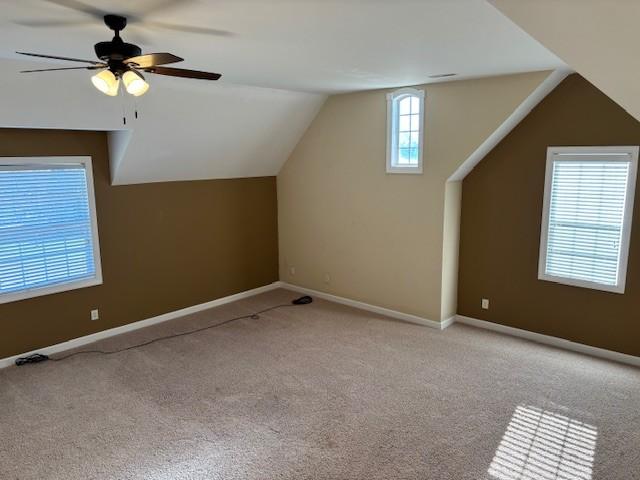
(106, 82)
(134, 83)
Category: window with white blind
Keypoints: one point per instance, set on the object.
(405, 130)
(48, 228)
(586, 220)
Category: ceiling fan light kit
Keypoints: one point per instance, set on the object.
(124, 61)
(134, 83)
(106, 82)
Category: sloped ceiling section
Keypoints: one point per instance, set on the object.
(523, 109)
(185, 130)
(597, 38)
(279, 60)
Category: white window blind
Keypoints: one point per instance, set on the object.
(48, 234)
(588, 201)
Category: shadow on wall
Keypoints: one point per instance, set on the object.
(542, 445)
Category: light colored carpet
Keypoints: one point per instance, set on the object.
(321, 392)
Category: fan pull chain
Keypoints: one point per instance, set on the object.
(122, 103)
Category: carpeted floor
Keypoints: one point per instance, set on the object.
(320, 392)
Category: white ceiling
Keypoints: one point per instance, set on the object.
(280, 60)
(598, 38)
(311, 45)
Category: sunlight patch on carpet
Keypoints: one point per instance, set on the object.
(542, 445)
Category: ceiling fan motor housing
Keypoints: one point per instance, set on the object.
(116, 50)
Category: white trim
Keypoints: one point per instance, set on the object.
(447, 322)
(79, 342)
(370, 308)
(85, 161)
(615, 153)
(545, 88)
(549, 340)
(117, 144)
(392, 114)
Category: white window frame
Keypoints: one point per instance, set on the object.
(393, 100)
(40, 162)
(625, 153)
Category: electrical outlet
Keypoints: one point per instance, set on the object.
(327, 278)
(485, 303)
(292, 271)
(95, 314)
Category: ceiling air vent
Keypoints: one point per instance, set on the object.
(443, 75)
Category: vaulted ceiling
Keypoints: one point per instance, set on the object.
(597, 38)
(279, 60)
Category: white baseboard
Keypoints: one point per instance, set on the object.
(553, 341)
(94, 337)
(516, 332)
(448, 322)
(370, 308)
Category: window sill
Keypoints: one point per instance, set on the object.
(403, 170)
(39, 292)
(572, 282)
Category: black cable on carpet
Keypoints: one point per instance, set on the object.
(39, 357)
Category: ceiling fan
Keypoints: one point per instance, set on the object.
(124, 61)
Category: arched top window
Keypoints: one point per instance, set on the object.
(405, 130)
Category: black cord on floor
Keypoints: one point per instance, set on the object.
(254, 316)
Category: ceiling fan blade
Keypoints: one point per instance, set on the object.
(188, 28)
(60, 58)
(156, 6)
(181, 72)
(92, 67)
(53, 23)
(152, 59)
(80, 7)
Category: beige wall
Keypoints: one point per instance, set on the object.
(379, 237)
(450, 248)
